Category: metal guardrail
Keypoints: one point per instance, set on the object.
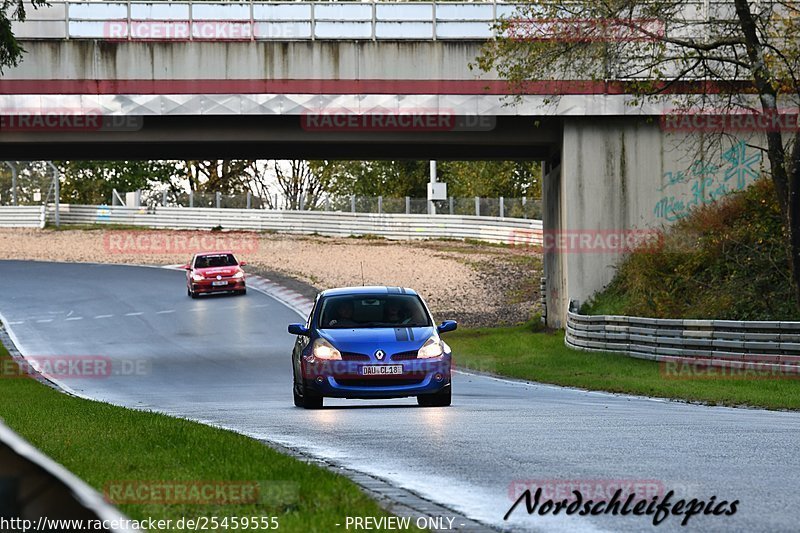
(35, 488)
(254, 20)
(391, 226)
(774, 344)
(28, 216)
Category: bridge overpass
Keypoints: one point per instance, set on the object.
(356, 81)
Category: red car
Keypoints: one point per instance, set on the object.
(214, 272)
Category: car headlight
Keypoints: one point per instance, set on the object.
(432, 348)
(324, 350)
(197, 277)
(238, 275)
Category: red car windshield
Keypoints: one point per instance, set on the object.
(211, 261)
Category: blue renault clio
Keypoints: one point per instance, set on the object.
(371, 342)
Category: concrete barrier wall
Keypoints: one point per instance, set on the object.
(21, 217)
(723, 343)
(518, 232)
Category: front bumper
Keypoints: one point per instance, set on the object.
(344, 379)
(207, 286)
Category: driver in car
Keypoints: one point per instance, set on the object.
(343, 315)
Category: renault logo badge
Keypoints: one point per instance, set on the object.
(219, 277)
(380, 354)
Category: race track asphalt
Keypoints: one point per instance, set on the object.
(225, 360)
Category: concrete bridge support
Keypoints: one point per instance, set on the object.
(621, 179)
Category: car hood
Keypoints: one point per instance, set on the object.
(217, 271)
(367, 340)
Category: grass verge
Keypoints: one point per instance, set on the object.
(522, 352)
(115, 449)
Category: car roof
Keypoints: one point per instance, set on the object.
(221, 252)
(370, 289)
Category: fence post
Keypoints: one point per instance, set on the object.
(13, 182)
(451, 205)
(218, 198)
(248, 192)
(191, 198)
(352, 203)
(408, 205)
(477, 206)
(502, 207)
(57, 191)
(380, 204)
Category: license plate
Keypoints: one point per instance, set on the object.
(381, 370)
(219, 283)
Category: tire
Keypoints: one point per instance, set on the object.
(443, 398)
(308, 400)
(242, 292)
(298, 400)
(191, 293)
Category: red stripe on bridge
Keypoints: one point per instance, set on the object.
(409, 87)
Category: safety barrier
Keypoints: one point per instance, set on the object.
(770, 344)
(257, 20)
(21, 216)
(37, 490)
(518, 232)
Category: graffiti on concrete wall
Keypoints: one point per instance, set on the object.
(737, 167)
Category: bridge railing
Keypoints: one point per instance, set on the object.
(308, 20)
(255, 20)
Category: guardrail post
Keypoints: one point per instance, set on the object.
(164, 198)
(302, 203)
(477, 206)
(128, 22)
(451, 205)
(218, 198)
(380, 204)
(66, 21)
(374, 11)
(502, 207)
(248, 192)
(408, 205)
(191, 198)
(191, 21)
(524, 211)
(313, 22)
(433, 21)
(352, 203)
(327, 203)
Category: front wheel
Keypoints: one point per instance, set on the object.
(443, 398)
(308, 400)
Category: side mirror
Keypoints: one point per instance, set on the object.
(242, 263)
(447, 325)
(185, 267)
(299, 329)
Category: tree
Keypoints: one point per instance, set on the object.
(301, 183)
(10, 49)
(92, 182)
(737, 57)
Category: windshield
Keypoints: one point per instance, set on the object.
(211, 261)
(373, 311)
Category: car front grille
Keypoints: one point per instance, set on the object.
(379, 382)
(350, 356)
(404, 356)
